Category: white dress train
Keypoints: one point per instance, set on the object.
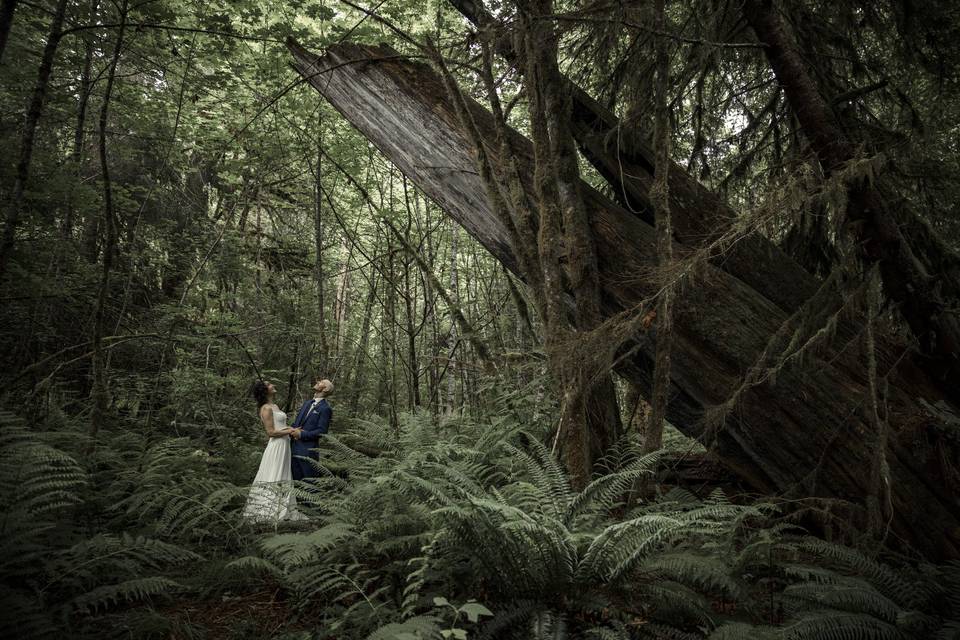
(271, 496)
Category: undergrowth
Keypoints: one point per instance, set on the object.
(450, 529)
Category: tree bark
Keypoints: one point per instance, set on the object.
(799, 433)
(342, 303)
(452, 400)
(318, 234)
(410, 307)
(600, 413)
(660, 197)
(360, 361)
(99, 391)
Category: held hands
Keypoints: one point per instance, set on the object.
(295, 433)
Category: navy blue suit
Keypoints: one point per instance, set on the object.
(314, 424)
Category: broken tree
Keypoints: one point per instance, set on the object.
(800, 433)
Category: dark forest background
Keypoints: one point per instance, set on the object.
(709, 389)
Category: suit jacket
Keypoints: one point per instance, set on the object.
(314, 424)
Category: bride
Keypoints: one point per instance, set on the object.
(271, 496)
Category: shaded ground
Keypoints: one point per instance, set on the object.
(260, 614)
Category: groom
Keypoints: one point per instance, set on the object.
(312, 421)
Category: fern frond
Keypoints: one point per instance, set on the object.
(949, 631)
(426, 627)
(255, 564)
(850, 595)
(295, 549)
(510, 617)
(744, 631)
(659, 631)
(673, 602)
(811, 573)
(619, 547)
(885, 579)
(548, 625)
(603, 492)
(127, 591)
(606, 633)
(20, 617)
(830, 625)
(703, 573)
(546, 474)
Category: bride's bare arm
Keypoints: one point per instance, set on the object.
(266, 416)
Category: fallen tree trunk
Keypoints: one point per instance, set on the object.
(800, 435)
(699, 216)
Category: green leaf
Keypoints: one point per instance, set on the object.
(441, 602)
(474, 610)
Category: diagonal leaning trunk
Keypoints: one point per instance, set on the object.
(801, 435)
(626, 161)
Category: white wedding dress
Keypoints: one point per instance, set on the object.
(271, 497)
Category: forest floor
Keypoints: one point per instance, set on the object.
(263, 613)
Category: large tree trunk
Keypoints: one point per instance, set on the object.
(626, 160)
(801, 434)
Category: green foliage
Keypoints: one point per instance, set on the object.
(435, 518)
(54, 569)
(127, 591)
(459, 530)
(221, 263)
(173, 490)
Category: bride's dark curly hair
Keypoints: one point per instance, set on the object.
(259, 392)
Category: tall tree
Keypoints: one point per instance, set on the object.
(318, 235)
(660, 197)
(99, 391)
(34, 111)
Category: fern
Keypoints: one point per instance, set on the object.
(604, 492)
(20, 617)
(744, 631)
(124, 592)
(702, 573)
(850, 595)
(675, 603)
(255, 564)
(425, 627)
(886, 580)
(295, 549)
(829, 625)
(658, 631)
